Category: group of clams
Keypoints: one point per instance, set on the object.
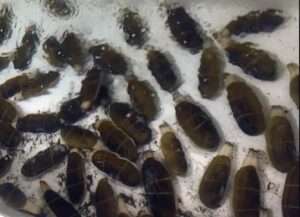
(115, 147)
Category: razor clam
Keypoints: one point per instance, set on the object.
(94, 89)
(24, 53)
(291, 198)
(163, 70)
(294, 85)
(55, 53)
(197, 124)
(8, 112)
(247, 108)
(71, 111)
(117, 168)
(173, 152)
(38, 84)
(13, 86)
(15, 198)
(6, 16)
(4, 62)
(109, 59)
(58, 205)
(10, 138)
(255, 22)
(39, 123)
(77, 137)
(281, 141)
(254, 62)
(75, 180)
(134, 124)
(184, 29)
(159, 188)
(211, 73)
(73, 49)
(44, 161)
(105, 200)
(216, 177)
(5, 164)
(134, 28)
(117, 140)
(247, 189)
(143, 98)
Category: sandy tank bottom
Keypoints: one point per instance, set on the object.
(98, 20)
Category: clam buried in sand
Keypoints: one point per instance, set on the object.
(75, 180)
(13, 86)
(134, 124)
(211, 74)
(197, 124)
(77, 137)
(184, 29)
(160, 193)
(39, 123)
(117, 140)
(60, 8)
(24, 53)
(247, 189)
(117, 168)
(216, 177)
(281, 141)
(255, 22)
(6, 16)
(247, 108)
(163, 70)
(294, 85)
(254, 62)
(4, 62)
(10, 138)
(94, 89)
(55, 53)
(143, 98)
(71, 111)
(5, 164)
(44, 161)
(173, 152)
(57, 204)
(134, 28)
(74, 51)
(109, 59)
(16, 199)
(8, 112)
(291, 197)
(105, 200)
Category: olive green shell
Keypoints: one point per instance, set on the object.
(215, 181)
(198, 125)
(294, 89)
(75, 181)
(211, 73)
(10, 138)
(117, 168)
(134, 124)
(105, 200)
(291, 198)
(247, 109)
(8, 112)
(247, 193)
(77, 137)
(281, 143)
(143, 98)
(173, 154)
(117, 140)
